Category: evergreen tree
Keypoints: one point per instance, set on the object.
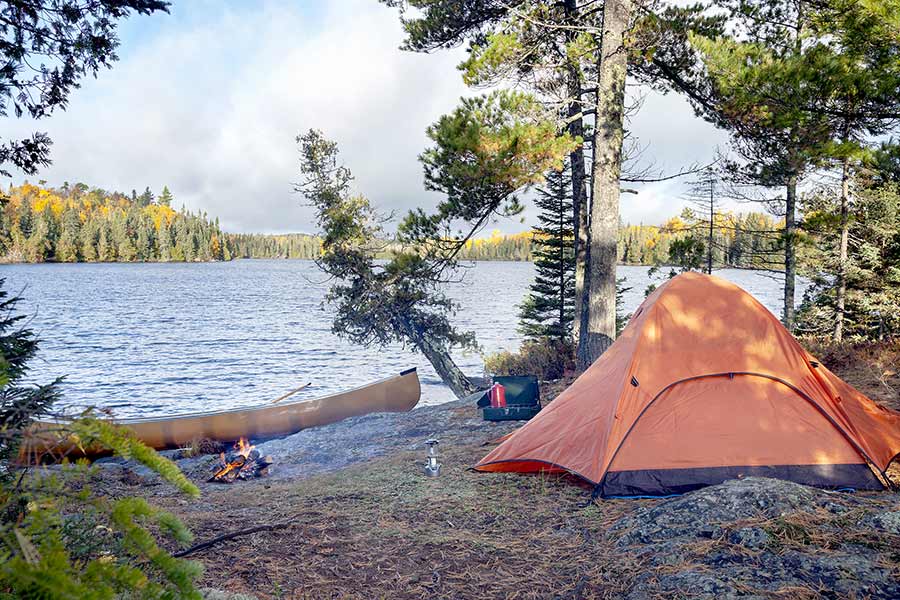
(70, 230)
(20, 403)
(88, 241)
(856, 63)
(483, 154)
(703, 192)
(146, 199)
(165, 243)
(760, 88)
(39, 223)
(871, 265)
(165, 198)
(144, 244)
(40, 242)
(185, 242)
(882, 165)
(549, 309)
(599, 329)
(105, 248)
(121, 237)
(573, 54)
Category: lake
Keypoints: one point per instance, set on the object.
(155, 339)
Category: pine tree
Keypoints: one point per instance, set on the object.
(871, 265)
(146, 198)
(760, 89)
(121, 237)
(39, 243)
(165, 198)
(164, 235)
(857, 64)
(703, 192)
(185, 242)
(481, 155)
(67, 245)
(88, 241)
(105, 249)
(549, 309)
(144, 244)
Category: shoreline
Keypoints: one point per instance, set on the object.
(260, 258)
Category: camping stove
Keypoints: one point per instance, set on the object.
(432, 466)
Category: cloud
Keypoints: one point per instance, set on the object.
(211, 104)
(672, 139)
(209, 100)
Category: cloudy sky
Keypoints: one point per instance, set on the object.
(209, 99)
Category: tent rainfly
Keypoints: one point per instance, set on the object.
(704, 385)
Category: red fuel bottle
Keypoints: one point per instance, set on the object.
(498, 396)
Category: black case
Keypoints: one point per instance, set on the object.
(523, 400)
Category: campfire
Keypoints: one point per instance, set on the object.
(243, 461)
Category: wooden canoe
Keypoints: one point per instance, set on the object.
(394, 394)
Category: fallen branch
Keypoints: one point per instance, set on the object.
(230, 536)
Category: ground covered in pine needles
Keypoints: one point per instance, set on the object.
(377, 528)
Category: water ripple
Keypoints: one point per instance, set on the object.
(153, 339)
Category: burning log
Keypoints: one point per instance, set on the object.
(242, 462)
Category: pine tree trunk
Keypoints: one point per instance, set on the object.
(712, 215)
(443, 364)
(790, 212)
(580, 210)
(561, 258)
(790, 259)
(607, 166)
(579, 189)
(841, 290)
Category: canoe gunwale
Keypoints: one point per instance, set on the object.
(267, 406)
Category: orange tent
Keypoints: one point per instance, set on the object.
(704, 385)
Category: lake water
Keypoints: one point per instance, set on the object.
(155, 339)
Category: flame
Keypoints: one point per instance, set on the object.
(243, 448)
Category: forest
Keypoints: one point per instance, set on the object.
(78, 223)
(75, 223)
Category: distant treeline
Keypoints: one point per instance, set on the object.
(81, 224)
(743, 240)
(258, 245)
(750, 240)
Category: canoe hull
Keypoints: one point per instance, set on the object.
(394, 394)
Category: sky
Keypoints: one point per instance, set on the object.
(209, 100)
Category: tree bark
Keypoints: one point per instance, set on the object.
(790, 258)
(841, 289)
(712, 216)
(561, 257)
(606, 169)
(790, 206)
(443, 364)
(580, 210)
(579, 189)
